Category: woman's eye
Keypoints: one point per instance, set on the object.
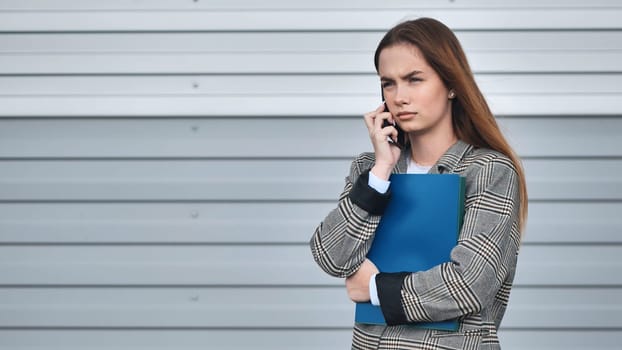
(414, 80)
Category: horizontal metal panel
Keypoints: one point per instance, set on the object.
(165, 223)
(162, 339)
(350, 52)
(201, 223)
(173, 180)
(270, 339)
(285, 106)
(271, 308)
(581, 222)
(308, 19)
(575, 339)
(325, 61)
(195, 307)
(250, 265)
(263, 180)
(274, 137)
(325, 42)
(177, 137)
(585, 179)
(94, 5)
(287, 85)
(291, 96)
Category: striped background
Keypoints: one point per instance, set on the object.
(164, 163)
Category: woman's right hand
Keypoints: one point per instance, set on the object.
(387, 155)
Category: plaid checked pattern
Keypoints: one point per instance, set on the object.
(473, 287)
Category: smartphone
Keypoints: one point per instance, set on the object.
(400, 140)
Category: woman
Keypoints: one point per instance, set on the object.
(431, 95)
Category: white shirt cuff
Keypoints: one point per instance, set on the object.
(373, 293)
(378, 184)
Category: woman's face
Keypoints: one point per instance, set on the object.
(416, 96)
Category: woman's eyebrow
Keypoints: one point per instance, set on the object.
(411, 74)
(405, 76)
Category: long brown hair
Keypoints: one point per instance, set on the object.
(473, 122)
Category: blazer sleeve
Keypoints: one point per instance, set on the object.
(480, 265)
(341, 241)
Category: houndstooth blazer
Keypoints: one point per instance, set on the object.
(473, 287)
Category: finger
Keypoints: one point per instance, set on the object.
(385, 121)
(372, 265)
(380, 119)
(375, 112)
(386, 115)
(390, 134)
(372, 116)
(393, 133)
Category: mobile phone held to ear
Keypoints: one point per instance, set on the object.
(400, 141)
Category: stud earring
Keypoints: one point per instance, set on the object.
(452, 94)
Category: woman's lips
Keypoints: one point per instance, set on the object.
(406, 115)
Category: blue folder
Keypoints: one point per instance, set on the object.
(418, 230)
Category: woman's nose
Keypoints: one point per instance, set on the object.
(402, 95)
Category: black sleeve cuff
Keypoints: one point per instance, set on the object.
(367, 198)
(389, 288)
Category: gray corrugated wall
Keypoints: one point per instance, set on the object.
(163, 164)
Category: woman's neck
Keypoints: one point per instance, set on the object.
(426, 151)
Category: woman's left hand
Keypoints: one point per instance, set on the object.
(357, 285)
